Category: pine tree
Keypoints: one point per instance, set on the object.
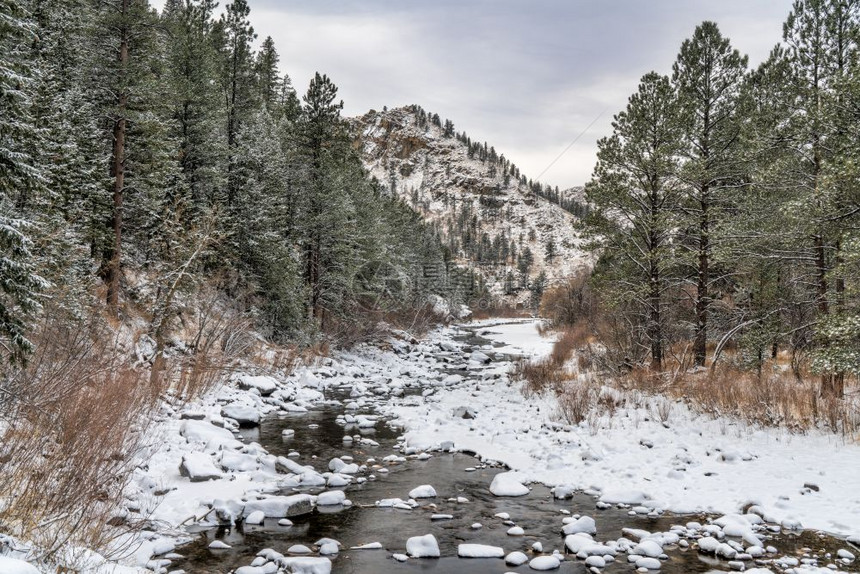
(191, 61)
(708, 75)
(268, 77)
(634, 196)
(821, 45)
(19, 283)
(237, 79)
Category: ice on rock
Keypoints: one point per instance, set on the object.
(480, 551)
(338, 480)
(583, 546)
(298, 549)
(516, 559)
(218, 545)
(400, 557)
(507, 484)
(423, 491)
(198, 467)
(583, 524)
(516, 531)
(544, 563)
(329, 548)
(369, 546)
(423, 547)
(331, 498)
(845, 555)
(595, 561)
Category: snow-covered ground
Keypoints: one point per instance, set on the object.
(461, 398)
(689, 463)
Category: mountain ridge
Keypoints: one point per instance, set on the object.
(493, 219)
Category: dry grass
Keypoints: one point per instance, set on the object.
(552, 372)
(776, 398)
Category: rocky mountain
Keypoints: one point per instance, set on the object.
(512, 231)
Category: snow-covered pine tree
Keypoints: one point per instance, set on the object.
(635, 196)
(19, 177)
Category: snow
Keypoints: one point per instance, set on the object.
(423, 547)
(519, 338)
(683, 471)
(508, 484)
(15, 566)
(331, 498)
(480, 551)
(265, 385)
(544, 563)
(307, 565)
(198, 467)
(440, 170)
(245, 415)
(423, 491)
(516, 558)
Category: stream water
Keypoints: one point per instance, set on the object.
(318, 435)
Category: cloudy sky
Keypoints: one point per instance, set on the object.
(527, 76)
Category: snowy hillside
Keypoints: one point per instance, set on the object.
(485, 209)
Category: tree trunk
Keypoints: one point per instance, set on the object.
(118, 169)
(655, 331)
(701, 342)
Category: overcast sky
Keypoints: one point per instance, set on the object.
(527, 76)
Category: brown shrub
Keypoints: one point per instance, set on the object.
(73, 421)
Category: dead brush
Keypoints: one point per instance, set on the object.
(776, 398)
(73, 424)
(577, 399)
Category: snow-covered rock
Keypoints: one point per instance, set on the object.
(265, 385)
(281, 506)
(14, 566)
(245, 415)
(423, 547)
(423, 491)
(544, 563)
(331, 498)
(198, 467)
(508, 484)
(480, 551)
